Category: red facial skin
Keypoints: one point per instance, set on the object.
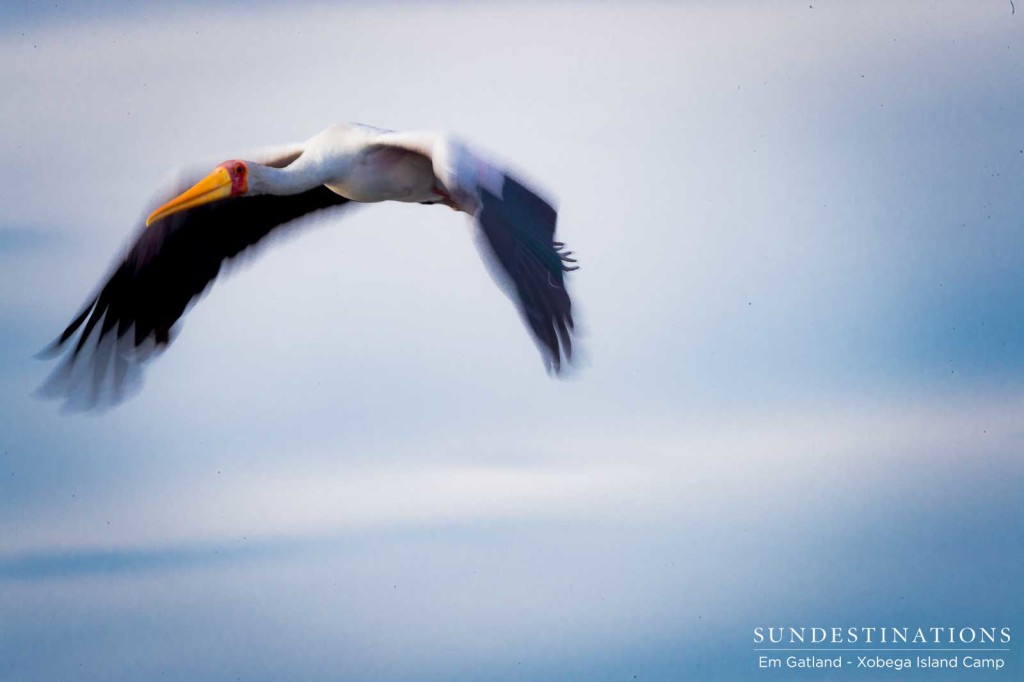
(239, 174)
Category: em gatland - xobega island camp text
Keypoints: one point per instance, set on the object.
(882, 662)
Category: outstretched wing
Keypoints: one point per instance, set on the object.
(518, 230)
(516, 236)
(166, 267)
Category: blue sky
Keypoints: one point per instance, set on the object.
(802, 298)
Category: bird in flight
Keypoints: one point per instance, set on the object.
(203, 224)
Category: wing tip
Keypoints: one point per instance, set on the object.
(57, 345)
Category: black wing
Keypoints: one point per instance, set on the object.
(168, 266)
(519, 229)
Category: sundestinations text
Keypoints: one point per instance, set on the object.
(882, 635)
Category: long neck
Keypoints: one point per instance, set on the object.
(300, 176)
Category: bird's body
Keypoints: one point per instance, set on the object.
(386, 175)
(179, 251)
(348, 160)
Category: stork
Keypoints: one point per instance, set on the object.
(178, 252)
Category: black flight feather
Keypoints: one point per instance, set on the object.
(169, 265)
(518, 229)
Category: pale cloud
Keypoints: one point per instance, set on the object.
(722, 470)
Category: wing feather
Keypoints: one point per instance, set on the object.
(164, 270)
(516, 236)
(518, 229)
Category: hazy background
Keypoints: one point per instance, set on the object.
(800, 227)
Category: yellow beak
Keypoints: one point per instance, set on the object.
(216, 185)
